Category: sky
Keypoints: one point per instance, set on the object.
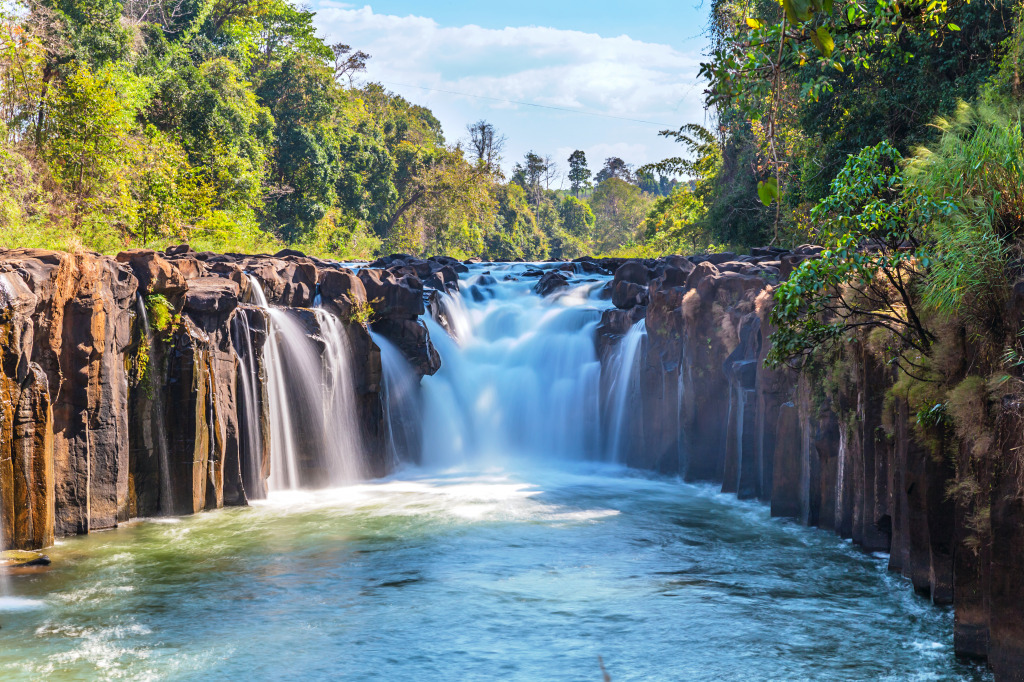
(607, 76)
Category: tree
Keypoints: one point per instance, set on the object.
(88, 142)
(868, 275)
(348, 63)
(516, 234)
(531, 175)
(579, 174)
(219, 121)
(485, 143)
(577, 217)
(576, 225)
(454, 209)
(302, 96)
(673, 224)
(614, 167)
(765, 62)
(619, 208)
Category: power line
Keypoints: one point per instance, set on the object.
(532, 104)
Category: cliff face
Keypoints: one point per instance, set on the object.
(137, 385)
(840, 449)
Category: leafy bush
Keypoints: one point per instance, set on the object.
(866, 276)
(976, 171)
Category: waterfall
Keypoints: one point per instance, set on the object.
(157, 417)
(622, 388)
(402, 407)
(519, 373)
(343, 432)
(311, 399)
(255, 486)
(284, 463)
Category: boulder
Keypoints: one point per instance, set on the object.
(551, 282)
(155, 274)
(399, 298)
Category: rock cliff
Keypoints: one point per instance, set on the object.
(840, 448)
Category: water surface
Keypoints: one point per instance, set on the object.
(476, 576)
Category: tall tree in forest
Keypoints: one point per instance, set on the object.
(579, 174)
(614, 167)
(485, 143)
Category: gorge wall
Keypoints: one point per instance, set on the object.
(840, 448)
(137, 385)
(121, 379)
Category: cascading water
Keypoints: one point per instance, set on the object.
(402, 407)
(284, 451)
(519, 375)
(621, 387)
(342, 435)
(310, 399)
(255, 486)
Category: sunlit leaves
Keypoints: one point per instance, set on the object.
(768, 191)
(743, 70)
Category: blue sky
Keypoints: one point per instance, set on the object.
(615, 59)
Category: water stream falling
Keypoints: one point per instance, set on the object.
(252, 399)
(623, 389)
(313, 418)
(402, 407)
(342, 432)
(520, 378)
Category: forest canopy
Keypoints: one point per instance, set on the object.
(232, 125)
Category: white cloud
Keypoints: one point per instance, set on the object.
(614, 76)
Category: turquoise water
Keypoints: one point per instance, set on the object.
(475, 576)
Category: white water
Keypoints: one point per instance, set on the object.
(311, 399)
(255, 486)
(402, 406)
(520, 378)
(342, 431)
(623, 390)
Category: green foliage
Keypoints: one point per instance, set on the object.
(619, 208)
(361, 313)
(579, 174)
(816, 42)
(865, 278)
(674, 223)
(161, 313)
(976, 169)
(88, 140)
(341, 236)
(517, 234)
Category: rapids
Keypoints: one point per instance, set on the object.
(517, 550)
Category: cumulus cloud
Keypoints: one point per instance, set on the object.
(615, 75)
(586, 72)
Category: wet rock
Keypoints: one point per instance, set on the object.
(17, 558)
(551, 282)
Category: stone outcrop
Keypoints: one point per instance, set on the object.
(135, 385)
